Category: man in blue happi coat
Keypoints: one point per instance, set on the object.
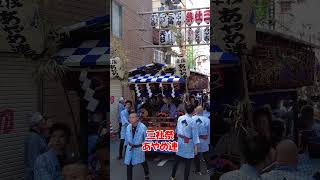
(203, 125)
(255, 150)
(35, 143)
(188, 140)
(124, 123)
(121, 107)
(136, 133)
(48, 165)
(286, 166)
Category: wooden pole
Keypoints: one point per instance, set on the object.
(245, 92)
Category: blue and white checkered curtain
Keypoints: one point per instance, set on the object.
(88, 53)
(218, 56)
(152, 78)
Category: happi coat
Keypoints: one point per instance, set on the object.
(203, 125)
(135, 156)
(47, 167)
(124, 123)
(186, 127)
(35, 145)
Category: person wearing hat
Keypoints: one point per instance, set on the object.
(35, 143)
(49, 164)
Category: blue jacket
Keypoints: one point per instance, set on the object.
(124, 123)
(203, 125)
(35, 145)
(120, 109)
(171, 109)
(47, 167)
(135, 155)
(186, 128)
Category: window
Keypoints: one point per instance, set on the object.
(158, 56)
(116, 20)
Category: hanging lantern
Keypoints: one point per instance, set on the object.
(206, 16)
(163, 20)
(206, 34)
(162, 35)
(190, 36)
(179, 18)
(169, 37)
(171, 19)
(198, 35)
(198, 17)
(173, 37)
(189, 18)
(154, 20)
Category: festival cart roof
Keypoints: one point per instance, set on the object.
(156, 73)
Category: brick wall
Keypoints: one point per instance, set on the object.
(133, 38)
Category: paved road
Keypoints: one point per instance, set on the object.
(157, 172)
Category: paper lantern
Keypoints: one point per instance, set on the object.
(206, 34)
(169, 37)
(173, 37)
(189, 18)
(198, 35)
(163, 20)
(154, 20)
(206, 16)
(190, 36)
(198, 17)
(171, 19)
(179, 18)
(162, 35)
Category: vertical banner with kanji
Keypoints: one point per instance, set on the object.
(181, 67)
(234, 22)
(21, 29)
(117, 69)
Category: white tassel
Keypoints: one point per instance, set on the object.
(173, 93)
(149, 90)
(161, 89)
(137, 90)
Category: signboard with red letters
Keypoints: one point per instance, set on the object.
(6, 121)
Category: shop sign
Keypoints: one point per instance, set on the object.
(6, 121)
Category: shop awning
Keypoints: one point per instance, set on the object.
(86, 53)
(153, 78)
(218, 56)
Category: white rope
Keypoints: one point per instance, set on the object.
(149, 90)
(137, 90)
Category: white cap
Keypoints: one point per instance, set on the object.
(121, 99)
(35, 119)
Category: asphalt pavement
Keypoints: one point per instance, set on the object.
(160, 166)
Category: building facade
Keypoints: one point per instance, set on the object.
(133, 31)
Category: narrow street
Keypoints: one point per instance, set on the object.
(160, 168)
